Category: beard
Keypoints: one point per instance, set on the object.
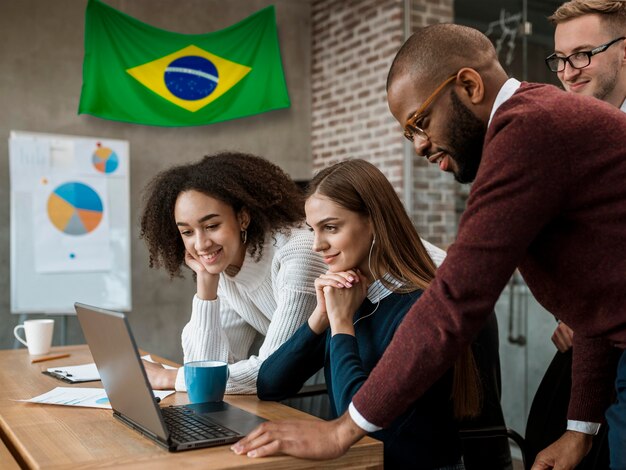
(467, 135)
(607, 82)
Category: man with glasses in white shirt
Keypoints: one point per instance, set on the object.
(582, 28)
(590, 49)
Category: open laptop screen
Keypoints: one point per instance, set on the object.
(115, 353)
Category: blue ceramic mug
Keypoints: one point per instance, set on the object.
(206, 380)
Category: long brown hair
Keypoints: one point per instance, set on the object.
(360, 187)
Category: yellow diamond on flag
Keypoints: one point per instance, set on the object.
(190, 78)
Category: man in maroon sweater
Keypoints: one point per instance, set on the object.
(549, 197)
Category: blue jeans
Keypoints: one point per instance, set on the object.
(616, 419)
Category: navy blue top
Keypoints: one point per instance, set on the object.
(424, 437)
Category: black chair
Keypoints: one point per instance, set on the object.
(312, 399)
(468, 436)
(311, 391)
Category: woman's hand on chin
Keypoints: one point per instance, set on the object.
(343, 302)
(206, 288)
(339, 279)
(194, 263)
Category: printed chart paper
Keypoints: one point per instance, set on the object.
(85, 397)
(71, 216)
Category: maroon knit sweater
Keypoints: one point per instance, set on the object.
(549, 198)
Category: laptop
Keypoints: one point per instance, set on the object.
(124, 378)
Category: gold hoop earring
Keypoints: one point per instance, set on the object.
(244, 236)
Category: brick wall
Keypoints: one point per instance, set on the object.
(425, 12)
(354, 42)
(435, 194)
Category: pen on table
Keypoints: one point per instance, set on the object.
(49, 358)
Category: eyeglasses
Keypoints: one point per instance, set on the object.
(577, 60)
(411, 129)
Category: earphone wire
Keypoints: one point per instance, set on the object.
(369, 266)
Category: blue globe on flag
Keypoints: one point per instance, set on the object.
(191, 77)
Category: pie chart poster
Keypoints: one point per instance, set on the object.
(71, 221)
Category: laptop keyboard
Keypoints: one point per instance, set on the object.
(186, 426)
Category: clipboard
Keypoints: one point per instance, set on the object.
(74, 374)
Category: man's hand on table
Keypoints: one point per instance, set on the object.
(306, 439)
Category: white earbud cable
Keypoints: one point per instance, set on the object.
(369, 266)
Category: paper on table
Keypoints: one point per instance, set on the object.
(86, 397)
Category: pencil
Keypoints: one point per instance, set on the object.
(49, 358)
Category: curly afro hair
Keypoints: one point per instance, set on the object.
(273, 200)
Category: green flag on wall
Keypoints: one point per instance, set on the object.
(136, 73)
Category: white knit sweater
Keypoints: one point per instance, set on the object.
(435, 253)
(272, 297)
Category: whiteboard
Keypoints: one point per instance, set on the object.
(63, 252)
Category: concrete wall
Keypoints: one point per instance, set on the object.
(41, 53)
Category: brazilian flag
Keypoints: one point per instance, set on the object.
(136, 73)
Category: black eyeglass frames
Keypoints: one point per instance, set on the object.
(577, 60)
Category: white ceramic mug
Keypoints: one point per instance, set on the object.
(38, 336)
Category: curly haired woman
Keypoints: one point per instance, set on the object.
(235, 220)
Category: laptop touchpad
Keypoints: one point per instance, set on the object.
(228, 416)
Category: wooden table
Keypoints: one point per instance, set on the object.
(7, 462)
(48, 436)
